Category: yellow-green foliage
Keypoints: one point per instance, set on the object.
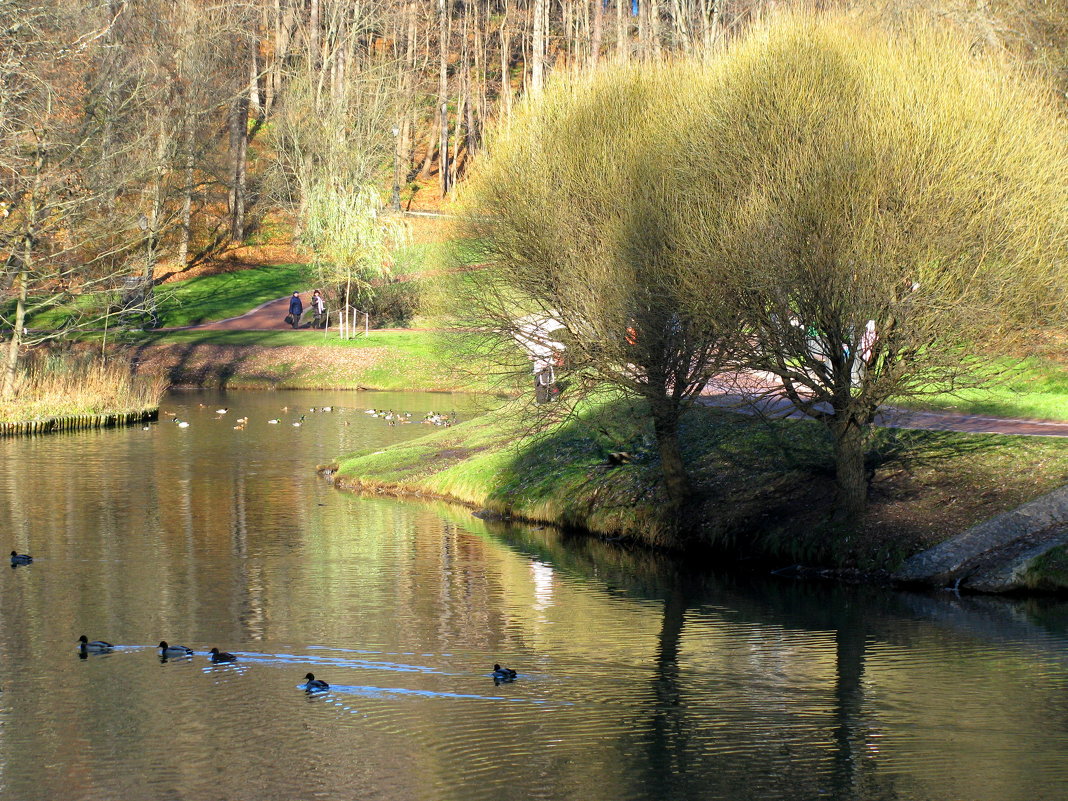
(830, 156)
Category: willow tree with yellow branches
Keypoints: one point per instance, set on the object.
(859, 214)
(888, 209)
(560, 212)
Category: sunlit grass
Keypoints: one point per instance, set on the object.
(764, 490)
(218, 297)
(1033, 389)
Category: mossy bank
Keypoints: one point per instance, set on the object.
(763, 491)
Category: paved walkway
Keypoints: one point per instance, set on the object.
(757, 394)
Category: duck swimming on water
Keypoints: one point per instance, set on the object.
(221, 656)
(504, 674)
(20, 558)
(314, 685)
(94, 647)
(173, 650)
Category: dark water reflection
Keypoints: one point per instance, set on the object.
(639, 680)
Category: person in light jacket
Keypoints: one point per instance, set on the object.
(319, 308)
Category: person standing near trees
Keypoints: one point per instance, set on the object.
(296, 308)
(319, 309)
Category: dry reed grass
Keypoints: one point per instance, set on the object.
(58, 386)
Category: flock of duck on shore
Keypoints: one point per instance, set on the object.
(391, 417)
(169, 651)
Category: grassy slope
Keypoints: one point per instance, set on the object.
(384, 360)
(218, 297)
(204, 298)
(764, 491)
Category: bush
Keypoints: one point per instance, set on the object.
(395, 304)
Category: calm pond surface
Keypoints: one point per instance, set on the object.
(637, 680)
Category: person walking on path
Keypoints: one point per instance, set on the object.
(319, 308)
(296, 308)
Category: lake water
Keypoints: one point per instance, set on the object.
(638, 680)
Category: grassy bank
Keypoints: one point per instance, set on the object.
(764, 491)
(67, 386)
(384, 360)
(1035, 388)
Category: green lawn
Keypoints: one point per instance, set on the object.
(1034, 389)
(196, 300)
(217, 297)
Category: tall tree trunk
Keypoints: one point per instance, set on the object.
(506, 65)
(313, 35)
(443, 97)
(676, 483)
(11, 364)
(852, 479)
(537, 47)
(622, 34)
(186, 232)
(654, 27)
(598, 32)
(255, 105)
(238, 162)
(152, 229)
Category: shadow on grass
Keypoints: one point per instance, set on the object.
(205, 364)
(764, 490)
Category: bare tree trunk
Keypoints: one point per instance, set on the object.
(676, 482)
(186, 223)
(238, 161)
(654, 26)
(254, 103)
(850, 472)
(643, 31)
(152, 229)
(598, 32)
(443, 97)
(506, 65)
(15, 345)
(537, 47)
(313, 35)
(622, 34)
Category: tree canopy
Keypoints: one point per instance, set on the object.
(870, 209)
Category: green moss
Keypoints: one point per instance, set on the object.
(1049, 572)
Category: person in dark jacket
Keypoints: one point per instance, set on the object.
(296, 308)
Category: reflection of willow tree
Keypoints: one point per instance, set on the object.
(669, 728)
